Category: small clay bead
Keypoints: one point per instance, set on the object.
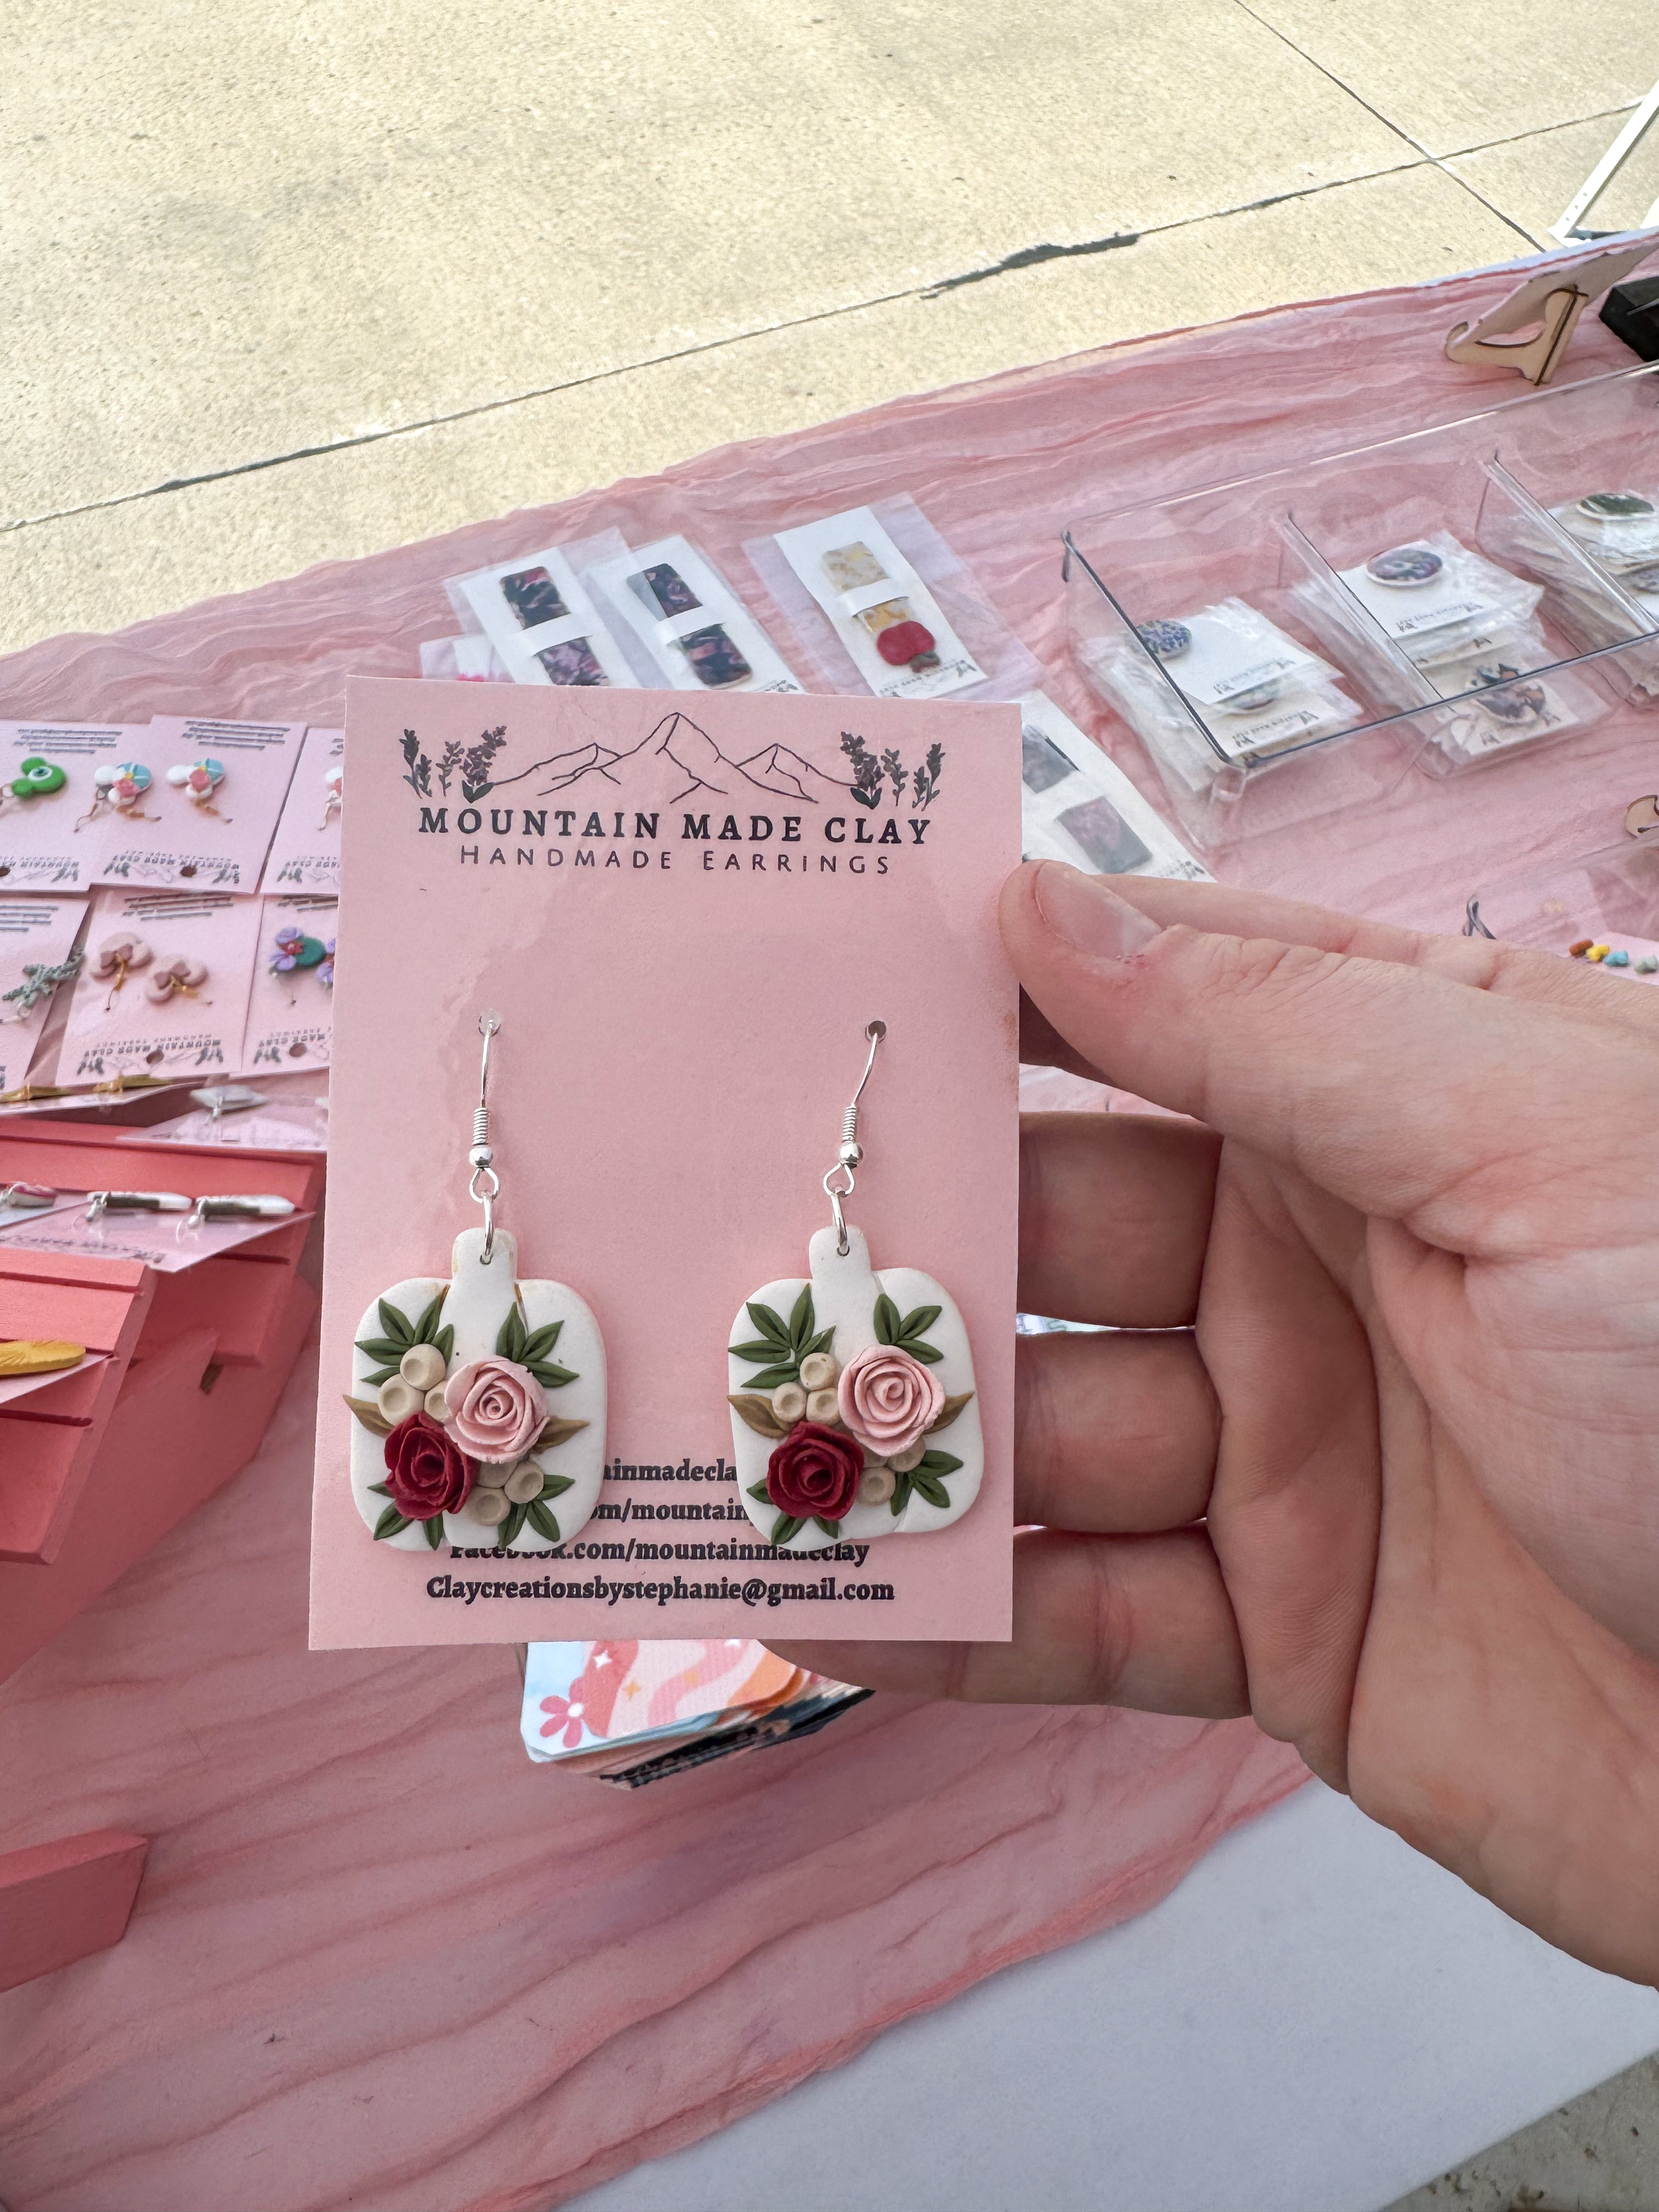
(1647, 965)
(821, 1407)
(819, 1369)
(1581, 948)
(423, 1365)
(488, 1506)
(492, 1474)
(1620, 959)
(1598, 952)
(437, 1405)
(905, 1460)
(789, 1402)
(876, 1485)
(397, 1399)
(525, 1483)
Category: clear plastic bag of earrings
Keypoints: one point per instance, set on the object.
(1259, 691)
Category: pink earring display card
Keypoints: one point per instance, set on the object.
(163, 988)
(290, 1010)
(205, 814)
(305, 852)
(51, 810)
(685, 918)
(37, 941)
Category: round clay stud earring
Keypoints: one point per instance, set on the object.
(117, 958)
(199, 781)
(118, 787)
(292, 950)
(1405, 566)
(903, 642)
(1614, 505)
(37, 778)
(176, 978)
(1166, 641)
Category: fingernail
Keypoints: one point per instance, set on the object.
(1092, 919)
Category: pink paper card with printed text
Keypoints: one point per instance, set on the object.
(205, 819)
(290, 1010)
(52, 835)
(685, 916)
(305, 852)
(124, 1020)
(36, 935)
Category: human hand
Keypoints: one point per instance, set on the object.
(1375, 1454)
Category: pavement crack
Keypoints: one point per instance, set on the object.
(1027, 258)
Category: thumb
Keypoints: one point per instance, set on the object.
(1411, 1096)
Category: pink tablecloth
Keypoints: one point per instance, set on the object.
(378, 1957)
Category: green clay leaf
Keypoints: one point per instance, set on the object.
(381, 1375)
(900, 1497)
(396, 1325)
(925, 1352)
(887, 1320)
(801, 1323)
(389, 1523)
(511, 1526)
(931, 1488)
(913, 1323)
(381, 1347)
(768, 1324)
(760, 1349)
(830, 1528)
(759, 1489)
(550, 1376)
(425, 1330)
(937, 1463)
(555, 1485)
(444, 1343)
(821, 1342)
(769, 1378)
(381, 1489)
(542, 1520)
(541, 1341)
(435, 1530)
(510, 1337)
(784, 1528)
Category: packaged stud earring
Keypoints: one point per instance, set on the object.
(118, 787)
(293, 951)
(199, 781)
(853, 1412)
(333, 792)
(478, 1401)
(36, 778)
(176, 977)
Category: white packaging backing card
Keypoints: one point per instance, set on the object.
(464, 660)
(1077, 805)
(1461, 594)
(694, 632)
(537, 613)
(36, 935)
(46, 840)
(305, 852)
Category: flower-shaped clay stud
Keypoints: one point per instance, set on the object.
(176, 977)
(291, 948)
(37, 778)
(118, 787)
(117, 958)
(199, 780)
(333, 792)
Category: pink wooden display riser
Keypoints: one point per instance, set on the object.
(63, 1900)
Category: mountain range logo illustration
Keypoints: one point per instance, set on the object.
(680, 754)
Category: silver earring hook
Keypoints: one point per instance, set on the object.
(851, 1151)
(486, 1184)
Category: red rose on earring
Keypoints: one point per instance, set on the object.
(814, 1474)
(426, 1473)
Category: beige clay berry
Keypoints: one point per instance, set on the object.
(789, 1402)
(822, 1406)
(423, 1365)
(819, 1369)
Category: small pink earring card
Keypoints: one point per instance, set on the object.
(669, 1284)
(195, 805)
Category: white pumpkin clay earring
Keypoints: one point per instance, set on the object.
(118, 787)
(843, 1387)
(199, 781)
(455, 1389)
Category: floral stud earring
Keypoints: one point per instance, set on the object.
(292, 949)
(118, 787)
(453, 1382)
(176, 978)
(37, 778)
(854, 1374)
(333, 792)
(199, 781)
(117, 958)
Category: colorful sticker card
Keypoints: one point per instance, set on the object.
(688, 925)
(305, 852)
(197, 804)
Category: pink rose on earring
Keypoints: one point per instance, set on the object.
(888, 1399)
(497, 1409)
(425, 1473)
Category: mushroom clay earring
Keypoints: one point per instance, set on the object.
(477, 1401)
(852, 1392)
